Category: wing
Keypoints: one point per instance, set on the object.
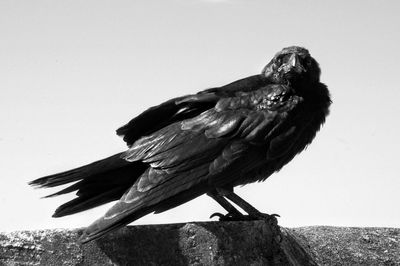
(188, 156)
(241, 85)
(177, 109)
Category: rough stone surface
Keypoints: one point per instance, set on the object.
(351, 245)
(211, 243)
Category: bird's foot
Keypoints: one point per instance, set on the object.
(242, 217)
(264, 216)
(229, 216)
(270, 218)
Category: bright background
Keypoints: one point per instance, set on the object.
(71, 72)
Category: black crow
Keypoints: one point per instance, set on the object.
(205, 143)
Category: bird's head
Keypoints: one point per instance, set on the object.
(292, 64)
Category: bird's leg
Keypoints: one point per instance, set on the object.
(233, 213)
(253, 212)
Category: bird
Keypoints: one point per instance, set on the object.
(203, 143)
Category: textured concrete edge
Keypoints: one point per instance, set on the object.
(199, 243)
(206, 243)
(331, 245)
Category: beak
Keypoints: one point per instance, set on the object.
(294, 63)
(293, 60)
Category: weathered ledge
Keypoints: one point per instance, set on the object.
(206, 243)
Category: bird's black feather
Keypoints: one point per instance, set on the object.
(218, 138)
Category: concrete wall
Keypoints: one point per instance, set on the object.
(209, 243)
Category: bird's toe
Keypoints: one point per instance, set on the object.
(229, 217)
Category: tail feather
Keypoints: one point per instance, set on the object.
(98, 183)
(101, 166)
(66, 190)
(160, 198)
(103, 226)
(84, 203)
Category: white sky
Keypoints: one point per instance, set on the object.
(71, 72)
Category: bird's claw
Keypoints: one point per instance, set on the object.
(232, 217)
(227, 217)
(270, 218)
(217, 214)
(263, 216)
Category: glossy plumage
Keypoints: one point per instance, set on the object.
(207, 142)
